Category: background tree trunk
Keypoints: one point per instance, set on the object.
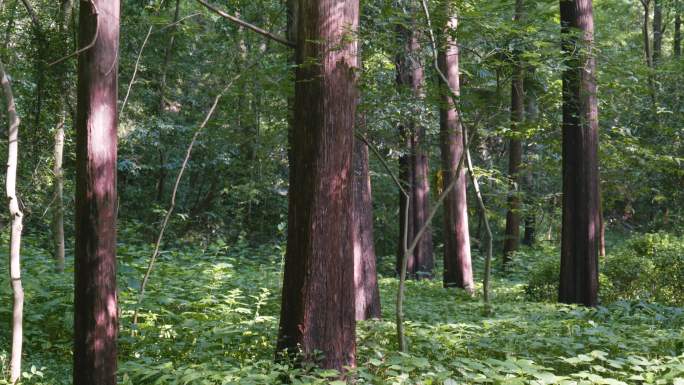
(16, 217)
(365, 273)
(512, 234)
(581, 203)
(317, 313)
(458, 271)
(410, 75)
(677, 32)
(657, 31)
(58, 152)
(95, 300)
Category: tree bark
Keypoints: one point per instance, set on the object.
(95, 300)
(414, 167)
(581, 202)
(365, 272)
(677, 32)
(16, 217)
(657, 31)
(318, 304)
(458, 271)
(512, 234)
(58, 152)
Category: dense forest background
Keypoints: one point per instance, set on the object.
(210, 312)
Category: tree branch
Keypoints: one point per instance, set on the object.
(247, 25)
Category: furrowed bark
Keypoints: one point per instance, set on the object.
(95, 300)
(317, 312)
(16, 218)
(581, 202)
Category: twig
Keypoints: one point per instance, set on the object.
(247, 25)
(172, 205)
(135, 70)
(177, 22)
(90, 45)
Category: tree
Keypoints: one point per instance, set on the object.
(414, 167)
(16, 217)
(317, 313)
(95, 300)
(365, 273)
(581, 203)
(58, 152)
(512, 235)
(677, 32)
(458, 271)
(658, 29)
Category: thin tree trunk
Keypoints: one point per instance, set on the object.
(318, 305)
(365, 273)
(57, 170)
(657, 31)
(406, 224)
(581, 202)
(531, 117)
(95, 300)
(58, 192)
(458, 271)
(677, 49)
(512, 234)
(16, 217)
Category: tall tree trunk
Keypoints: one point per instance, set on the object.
(458, 271)
(677, 49)
(657, 30)
(168, 53)
(16, 217)
(581, 202)
(318, 305)
(531, 117)
(410, 75)
(512, 234)
(95, 300)
(58, 152)
(365, 272)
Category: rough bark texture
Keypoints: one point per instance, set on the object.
(16, 218)
(581, 203)
(458, 271)
(414, 167)
(318, 291)
(365, 273)
(95, 301)
(512, 234)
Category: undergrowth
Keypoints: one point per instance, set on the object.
(210, 317)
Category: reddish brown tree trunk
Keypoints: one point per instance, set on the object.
(581, 202)
(458, 271)
(365, 272)
(512, 234)
(317, 313)
(406, 225)
(414, 168)
(95, 301)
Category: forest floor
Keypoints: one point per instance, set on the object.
(210, 317)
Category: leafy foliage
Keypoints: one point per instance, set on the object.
(210, 317)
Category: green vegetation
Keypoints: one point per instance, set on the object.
(210, 317)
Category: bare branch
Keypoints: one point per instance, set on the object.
(90, 45)
(247, 25)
